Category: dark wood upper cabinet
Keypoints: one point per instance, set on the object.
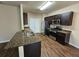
(66, 18)
(25, 19)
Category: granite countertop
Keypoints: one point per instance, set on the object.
(62, 31)
(22, 38)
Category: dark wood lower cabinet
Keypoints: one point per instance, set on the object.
(47, 32)
(32, 50)
(61, 38)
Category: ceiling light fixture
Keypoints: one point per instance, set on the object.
(45, 5)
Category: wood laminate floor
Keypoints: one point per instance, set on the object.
(51, 48)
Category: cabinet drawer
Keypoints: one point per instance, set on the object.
(60, 34)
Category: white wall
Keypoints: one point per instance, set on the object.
(74, 38)
(9, 22)
(34, 22)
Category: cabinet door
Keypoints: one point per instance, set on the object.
(66, 18)
(49, 19)
(32, 50)
(47, 32)
(60, 38)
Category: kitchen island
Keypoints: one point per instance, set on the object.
(28, 44)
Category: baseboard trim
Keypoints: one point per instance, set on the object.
(4, 41)
(74, 45)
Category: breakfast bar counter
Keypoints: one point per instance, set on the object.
(27, 42)
(21, 38)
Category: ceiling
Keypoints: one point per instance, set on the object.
(33, 6)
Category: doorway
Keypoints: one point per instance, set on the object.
(25, 19)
